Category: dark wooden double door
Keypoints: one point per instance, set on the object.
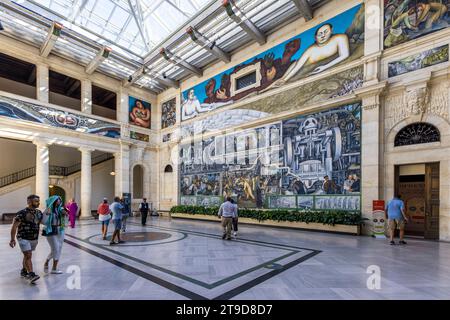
(421, 196)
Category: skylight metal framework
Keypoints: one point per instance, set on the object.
(137, 30)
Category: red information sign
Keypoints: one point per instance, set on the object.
(378, 205)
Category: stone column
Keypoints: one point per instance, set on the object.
(86, 182)
(42, 83)
(371, 157)
(373, 42)
(86, 96)
(42, 170)
(122, 169)
(122, 106)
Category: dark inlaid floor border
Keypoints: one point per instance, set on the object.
(192, 295)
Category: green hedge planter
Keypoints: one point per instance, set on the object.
(334, 221)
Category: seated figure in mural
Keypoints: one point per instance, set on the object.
(140, 115)
(405, 18)
(326, 45)
(191, 107)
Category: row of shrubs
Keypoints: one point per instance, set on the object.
(330, 217)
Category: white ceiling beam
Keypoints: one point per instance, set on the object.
(170, 57)
(101, 56)
(53, 34)
(207, 44)
(247, 25)
(134, 8)
(305, 8)
(142, 71)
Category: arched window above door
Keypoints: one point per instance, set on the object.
(417, 133)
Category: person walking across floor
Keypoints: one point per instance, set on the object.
(125, 214)
(104, 215)
(26, 228)
(144, 208)
(55, 221)
(116, 209)
(72, 208)
(395, 213)
(227, 212)
(235, 219)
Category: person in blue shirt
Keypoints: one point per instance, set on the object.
(395, 213)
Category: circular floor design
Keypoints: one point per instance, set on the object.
(142, 236)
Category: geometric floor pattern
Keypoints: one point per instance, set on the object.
(179, 259)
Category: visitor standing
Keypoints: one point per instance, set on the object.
(348, 184)
(125, 214)
(235, 218)
(26, 228)
(116, 210)
(104, 215)
(72, 208)
(227, 212)
(143, 208)
(55, 215)
(329, 187)
(395, 213)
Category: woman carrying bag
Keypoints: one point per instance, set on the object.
(54, 224)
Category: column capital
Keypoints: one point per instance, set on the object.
(41, 142)
(86, 149)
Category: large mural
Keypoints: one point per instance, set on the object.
(139, 112)
(168, 113)
(418, 61)
(338, 40)
(405, 20)
(311, 161)
(337, 85)
(17, 109)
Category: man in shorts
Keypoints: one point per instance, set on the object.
(116, 210)
(26, 228)
(395, 213)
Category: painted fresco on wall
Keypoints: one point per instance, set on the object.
(168, 113)
(334, 86)
(310, 155)
(17, 109)
(418, 61)
(139, 112)
(139, 136)
(338, 40)
(405, 20)
(166, 137)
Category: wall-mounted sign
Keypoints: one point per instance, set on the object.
(18, 109)
(139, 112)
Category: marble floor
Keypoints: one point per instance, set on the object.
(180, 259)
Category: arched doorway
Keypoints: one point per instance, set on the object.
(57, 191)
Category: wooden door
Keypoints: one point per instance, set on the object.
(432, 201)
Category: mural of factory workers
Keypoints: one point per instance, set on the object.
(139, 112)
(405, 20)
(322, 152)
(18, 109)
(418, 61)
(242, 165)
(168, 113)
(315, 50)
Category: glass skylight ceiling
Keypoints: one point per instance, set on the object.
(128, 26)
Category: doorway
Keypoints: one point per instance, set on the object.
(418, 186)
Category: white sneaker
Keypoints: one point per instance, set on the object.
(235, 234)
(57, 272)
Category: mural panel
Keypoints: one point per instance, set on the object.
(418, 61)
(166, 137)
(17, 109)
(139, 112)
(139, 136)
(405, 20)
(334, 86)
(168, 113)
(338, 40)
(283, 164)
